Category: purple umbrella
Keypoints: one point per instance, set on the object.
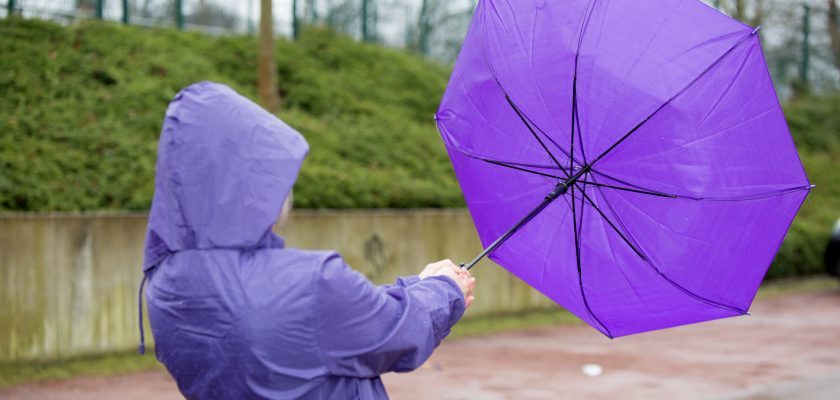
(628, 159)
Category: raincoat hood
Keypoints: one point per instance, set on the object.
(224, 168)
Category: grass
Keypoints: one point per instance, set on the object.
(488, 325)
(17, 373)
(789, 286)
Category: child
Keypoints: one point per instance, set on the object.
(235, 314)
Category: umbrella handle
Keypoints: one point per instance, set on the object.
(558, 191)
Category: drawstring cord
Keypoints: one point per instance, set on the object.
(142, 348)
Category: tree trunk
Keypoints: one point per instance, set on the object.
(366, 17)
(310, 12)
(424, 27)
(834, 30)
(740, 10)
(266, 60)
(758, 17)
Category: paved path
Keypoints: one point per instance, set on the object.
(788, 349)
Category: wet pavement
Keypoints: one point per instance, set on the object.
(789, 348)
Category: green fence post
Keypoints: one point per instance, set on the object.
(179, 14)
(806, 45)
(125, 11)
(295, 22)
(10, 8)
(100, 8)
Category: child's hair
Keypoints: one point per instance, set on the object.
(285, 211)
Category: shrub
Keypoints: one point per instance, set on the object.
(83, 105)
(82, 108)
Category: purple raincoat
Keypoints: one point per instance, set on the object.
(237, 315)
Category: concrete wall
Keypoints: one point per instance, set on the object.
(68, 282)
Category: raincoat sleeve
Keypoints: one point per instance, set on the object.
(403, 281)
(365, 330)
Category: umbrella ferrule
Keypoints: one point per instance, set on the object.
(558, 191)
(581, 172)
(563, 187)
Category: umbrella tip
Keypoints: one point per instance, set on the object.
(812, 186)
(757, 28)
(443, 113)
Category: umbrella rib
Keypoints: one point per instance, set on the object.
(615, 228)
(587, 17)
(577, 122)
(681, 91)
(495, 161)
(695, 295)
(617, 218)
(557, 145)
(528, 122)
(756, 196)
(501, 164)
(687, 292)
(533, 133)
(574, 109)
(578, 227)
(632, 185)
(575, 117)
(521, 164)
(625, 189)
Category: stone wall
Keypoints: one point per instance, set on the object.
(68, 282)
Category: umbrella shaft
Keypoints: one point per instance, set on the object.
(558, 191)
(510, 232)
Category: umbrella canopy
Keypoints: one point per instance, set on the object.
(631, 157)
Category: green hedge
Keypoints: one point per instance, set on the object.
(815, 123)
(81, 110)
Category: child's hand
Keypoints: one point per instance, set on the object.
(461, 276)
(433, 268)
